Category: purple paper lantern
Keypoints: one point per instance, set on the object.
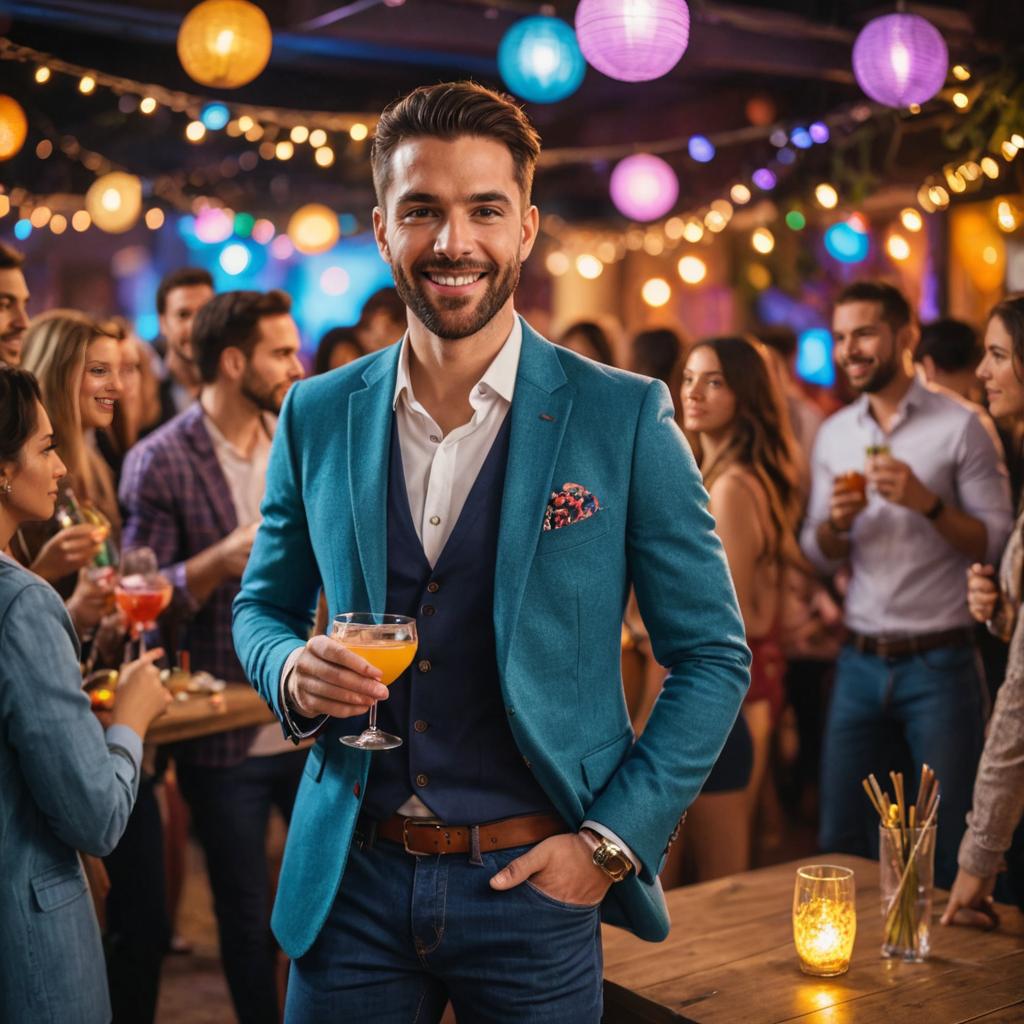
(633, 40)
(644, 187)
(900, 59)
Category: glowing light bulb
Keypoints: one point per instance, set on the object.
(317, 138)
(87, 84)
(299, 134)
(898, 248)
(195, 131)
(911, 219)
(763, 241)
(42, 74)
(358, 132)
(960, 100)
(656, 292)
(284, 150)
(740, 194)
(827, 196)
(557, 263)
(692, 269)
(148, 105)
(324, 156)
(589, 267)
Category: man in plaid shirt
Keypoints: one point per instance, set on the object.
(191, 491)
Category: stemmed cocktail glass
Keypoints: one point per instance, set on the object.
(388, 642)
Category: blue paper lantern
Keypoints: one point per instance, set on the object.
(540, 60)
(846, 243)
(814, 361)
(701, 149)
(215, 116)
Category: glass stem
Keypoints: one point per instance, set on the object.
(372, 727)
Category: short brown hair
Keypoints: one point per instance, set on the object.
(450, 111)
(896, 310)
(10, 259)
(231, 319)
(183, 277)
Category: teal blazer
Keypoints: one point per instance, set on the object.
(559, 598)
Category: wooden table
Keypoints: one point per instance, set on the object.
(201, 716)
(730, 960)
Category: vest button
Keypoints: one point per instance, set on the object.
(421, 779)
(428, 610)
(433, 587)
(420, 725)
(423, 665)
(435, 520)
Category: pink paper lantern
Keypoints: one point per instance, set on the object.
(633, 40)
(900, 59)
(644, 187)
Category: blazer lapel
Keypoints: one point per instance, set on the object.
(540, 412)
(211, 477)
(369, 433)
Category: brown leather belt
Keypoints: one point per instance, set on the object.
(425, 836)
(905, 646)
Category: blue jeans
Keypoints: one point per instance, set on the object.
(408, 933)
(930, 705)
(230, 812)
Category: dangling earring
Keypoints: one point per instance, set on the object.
(5, 488)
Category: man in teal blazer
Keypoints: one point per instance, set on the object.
(474, 863)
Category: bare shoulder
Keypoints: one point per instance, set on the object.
(738, 485)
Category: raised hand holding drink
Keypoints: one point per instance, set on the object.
(142, 593)
(388, 642)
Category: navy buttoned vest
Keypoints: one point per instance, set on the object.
(459, 756)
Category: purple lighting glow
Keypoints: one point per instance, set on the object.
(819, 132)
(900, 59)
(636, 41)
(763, 179)
(644, 187)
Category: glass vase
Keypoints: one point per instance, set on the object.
(906, 879)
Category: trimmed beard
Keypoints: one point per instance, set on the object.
(440, 320)
(882, 377)
(262, 398)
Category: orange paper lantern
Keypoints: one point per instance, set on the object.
(13, 127)
(224, 43)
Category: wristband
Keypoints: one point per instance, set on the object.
(936, 510)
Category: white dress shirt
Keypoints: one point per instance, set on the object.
(440, 472)
(246, 477)
(907, 579)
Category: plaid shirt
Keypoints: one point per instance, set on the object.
(177, 502)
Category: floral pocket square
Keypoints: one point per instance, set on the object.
(572, 504)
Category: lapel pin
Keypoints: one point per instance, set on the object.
(547, 417)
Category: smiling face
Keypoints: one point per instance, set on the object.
(33, 477)
(999, 372)
(182, 305)
(867, 349)
(13, 315)
(101, 382)
(455, 231)
(709, 404)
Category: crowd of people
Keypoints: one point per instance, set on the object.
(869, 548)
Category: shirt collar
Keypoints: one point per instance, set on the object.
(911, 400)
(499, 377)
(224, 446)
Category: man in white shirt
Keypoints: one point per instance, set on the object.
(504, 492)
(192, 492)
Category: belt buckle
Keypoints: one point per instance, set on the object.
(419, 823)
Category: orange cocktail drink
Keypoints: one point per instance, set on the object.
(392, 657)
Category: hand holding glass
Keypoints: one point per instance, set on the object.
(388, 642)
(142, 593)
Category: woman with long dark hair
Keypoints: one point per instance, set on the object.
(998, 803)
(732, 401)
(68, 786)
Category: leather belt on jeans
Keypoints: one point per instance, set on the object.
(905, 646)
(425, 836)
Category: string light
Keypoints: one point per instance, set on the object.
(42, 74)
(81, 221)
(317, 138)
(714, 221)
(675, 227)
(740, 194)
(827, 196)
(195, 131)
(656, 292)
(58, 224)
(5, 205)
(299, 134)
(795, 220)
(1009, 150)
(1006, 216)
(989, 255)
(154, 218)
(245, 122)
(898, 247)
(692, 269)
(284, 150)
(87, 84)
(324, 156)
(358, 131)
(961, 100)
(44, 149)
(961, 72)
(40, 217)
(589, 267)
(557, 263)
(989, 167)
(693, 232)
(763, 240)
(148, 105)
(911, 219)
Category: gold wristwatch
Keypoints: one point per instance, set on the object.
(608, 856)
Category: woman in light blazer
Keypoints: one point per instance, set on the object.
(65, 785)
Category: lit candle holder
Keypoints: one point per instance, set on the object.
(824, 919)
